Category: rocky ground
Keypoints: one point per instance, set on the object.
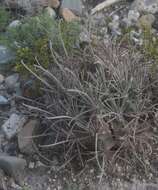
(17, 150)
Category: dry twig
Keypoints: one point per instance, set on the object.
(103, 5)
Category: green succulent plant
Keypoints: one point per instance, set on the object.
(30, 40)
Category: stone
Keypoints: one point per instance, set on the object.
(68, 15)
(115, 26)
(13, 185)
(3, 100)
(30, 6)
(14, 24)
(148, 6)
(85, 37)
(1, 79)
(73, 5)
(11, 81)
(3, 185)
(146, 20)
(132, 18)
(6, 55)
(54, 3)
(13, 125)
(31, 165)
(50, 12)
(136, 37)
(17, 89)
(13, 166)
(25, 141)
(9, 147)
(39, 164)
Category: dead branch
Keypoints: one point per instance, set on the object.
(103, 5)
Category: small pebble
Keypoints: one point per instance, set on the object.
(31, 165)
(39, 164)
(74, 179)
(59, 188)
(14, 23)
(11, 81)
(92, 171)
(3, 100)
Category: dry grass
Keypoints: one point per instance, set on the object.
(98, 106)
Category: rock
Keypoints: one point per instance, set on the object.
(27, 5)
(85, 37)
(31, 165)
(5, 55)
(1, 79)
(30, 6)
(54, 3)
(146, 20)
(50, 12)
(73, 5)
(18, 3)
(132, 18)
(136, 37)
(17, 89)
(149, 6)
(11, 81)
(25, 140)
(68, 15)
(13, 185)
(39, 164)
(3, 100)
(9, 148)
(3, 185)
(13, 125)
(14, 23)
(13, 166)
(115, 26)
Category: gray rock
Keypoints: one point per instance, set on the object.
(17, 89)
(5, 55)
(25, 4)
(115, 26)
(149, 6)
(31, 165)
(39, 164)
(132, 18)
(13, 125)
(11, 81)
(14, 23)
(30, 6)
(3, 185)
(15, 186)
(13, 166)
(50, 12)
(25, 140)
(73, 5)
(85, 37)
(136, 37)
(3, 100)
